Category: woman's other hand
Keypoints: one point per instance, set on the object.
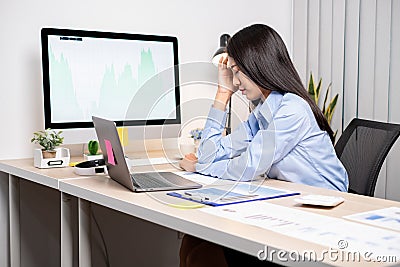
(188, 163)
(225, 84)
(225, 77)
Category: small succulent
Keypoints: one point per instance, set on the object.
(93, 147)
(49, 139)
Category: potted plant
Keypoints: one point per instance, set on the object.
(196, 135)
(315, 91)
(48, 139)
(93, 148)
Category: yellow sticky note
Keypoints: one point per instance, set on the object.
(123, 135)
(186, 205)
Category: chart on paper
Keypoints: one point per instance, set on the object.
(324, 230)
(388, 218)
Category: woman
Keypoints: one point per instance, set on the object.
(286, 137)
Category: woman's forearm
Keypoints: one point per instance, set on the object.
(222, 99)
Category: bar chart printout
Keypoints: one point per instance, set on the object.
(323, 230)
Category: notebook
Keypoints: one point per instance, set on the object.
(118, 169)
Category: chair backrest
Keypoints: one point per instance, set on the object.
(362, 148)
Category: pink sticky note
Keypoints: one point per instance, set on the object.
(110, 153)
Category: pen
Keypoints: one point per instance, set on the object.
(196, 197)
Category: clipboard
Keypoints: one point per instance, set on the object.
(233, 194)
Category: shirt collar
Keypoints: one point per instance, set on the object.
(268, 108)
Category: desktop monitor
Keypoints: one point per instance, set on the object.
(132, 79)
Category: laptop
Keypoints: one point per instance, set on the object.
(118, 169)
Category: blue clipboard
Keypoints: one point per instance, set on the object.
(220, 196)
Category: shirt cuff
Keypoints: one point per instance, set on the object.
(217, 116)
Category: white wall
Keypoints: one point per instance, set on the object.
(197, 24)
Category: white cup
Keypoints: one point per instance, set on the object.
(186, 148)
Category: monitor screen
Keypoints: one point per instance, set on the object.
(131, 79)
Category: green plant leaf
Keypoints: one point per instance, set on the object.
(327, 109)
(334, 136)
(318, 91)
(48, 139)
(93, 147)
(331, 108)
(311, 88)
(326, 98)
(314, 91)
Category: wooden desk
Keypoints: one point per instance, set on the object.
(154, 208)
(12, 171)
(59, 218)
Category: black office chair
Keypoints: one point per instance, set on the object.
(362, 149)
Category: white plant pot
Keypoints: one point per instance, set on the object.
(61, 160)
(92, 157)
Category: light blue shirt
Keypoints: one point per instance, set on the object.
(281, 139)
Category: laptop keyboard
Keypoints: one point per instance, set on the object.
(150, 180)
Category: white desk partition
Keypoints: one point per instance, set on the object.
(4, 220)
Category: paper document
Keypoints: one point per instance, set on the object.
(232, 194)
(335, 233)
(205, 179)
(388, 218)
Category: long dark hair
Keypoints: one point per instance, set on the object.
(261, 54)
